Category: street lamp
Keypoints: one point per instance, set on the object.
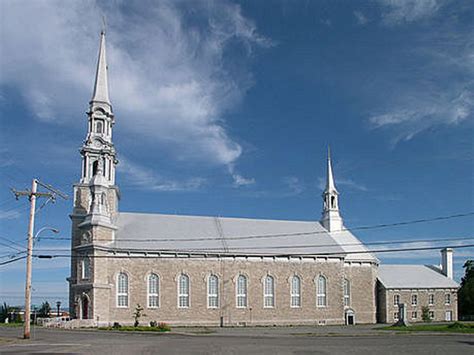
(54, 230)
(58, 305)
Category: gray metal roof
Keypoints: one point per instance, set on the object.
(141, 231)
(413, 276)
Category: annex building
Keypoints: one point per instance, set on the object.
(190, 270)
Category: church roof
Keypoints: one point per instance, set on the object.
(414, 276)
(236, 236)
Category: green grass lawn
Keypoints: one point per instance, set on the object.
(12, 325)
(450, 328)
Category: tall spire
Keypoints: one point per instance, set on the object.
(330, 185)
(98, 146)
(101, 87)
(331, 219)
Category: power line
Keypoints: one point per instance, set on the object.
(282, 235)
(399, 241)
(11, 241)
(12, 260)
(184, 251)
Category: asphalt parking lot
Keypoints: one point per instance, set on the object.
(295, 340)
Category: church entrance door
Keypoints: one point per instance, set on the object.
(350, 317)
(85, 308)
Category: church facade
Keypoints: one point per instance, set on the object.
(190, 270)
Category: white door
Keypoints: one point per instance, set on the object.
(449, 316)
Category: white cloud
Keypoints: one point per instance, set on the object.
(360, 17)
(239, 180)
(294, 185)
(145, 178)
(170, 82)
(397, 12)
(11, 214)
(423, 110)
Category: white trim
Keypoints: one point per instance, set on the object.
(269, 294)
(320, 295)
(346, 286)
(155, 294)
(84, 267)
(186, 296)
(293, 294)
(447, 299)
(243, 295)
(216, 295)
(396, 299)
(122, 294)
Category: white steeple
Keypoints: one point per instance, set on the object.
(331, 219)
(101, 86)
(98, 146)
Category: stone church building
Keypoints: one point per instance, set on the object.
(193, 270)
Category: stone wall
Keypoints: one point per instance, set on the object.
(362, 280)
(439, 307)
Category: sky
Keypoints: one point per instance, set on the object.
(226, 108)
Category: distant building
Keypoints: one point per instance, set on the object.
(417, 286)
(189, 270)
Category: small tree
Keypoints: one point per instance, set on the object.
(4, 312)
(425, 314)
(466, 291)
(45, 310)
(137, 314)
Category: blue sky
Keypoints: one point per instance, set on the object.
(226, 108)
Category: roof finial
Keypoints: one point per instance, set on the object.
(104, 25)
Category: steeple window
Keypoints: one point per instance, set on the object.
(99, 126)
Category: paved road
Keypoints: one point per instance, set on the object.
(262, 341)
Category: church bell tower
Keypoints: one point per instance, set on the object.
(331, 219)
(95, 203)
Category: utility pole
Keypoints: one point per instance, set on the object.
(32, 195)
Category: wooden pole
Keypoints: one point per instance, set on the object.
(34, 185)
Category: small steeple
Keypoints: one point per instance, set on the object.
(101, 86)
(331, 219)
(330, 185)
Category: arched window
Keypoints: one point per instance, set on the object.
(347, 293)
(99, 127)
(241, 291)
(153, 291)
(86, 268)
(213, 291)
(269, 292)
(95, 167)
(122, 290)
(321, 292)
(183, 291)
(295, 292)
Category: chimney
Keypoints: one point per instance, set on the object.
(447, 262)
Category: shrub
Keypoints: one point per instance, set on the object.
(425, 314)
(164, 327)
(137, 315)
(116, 325)
(457, 325)
(153, 323)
